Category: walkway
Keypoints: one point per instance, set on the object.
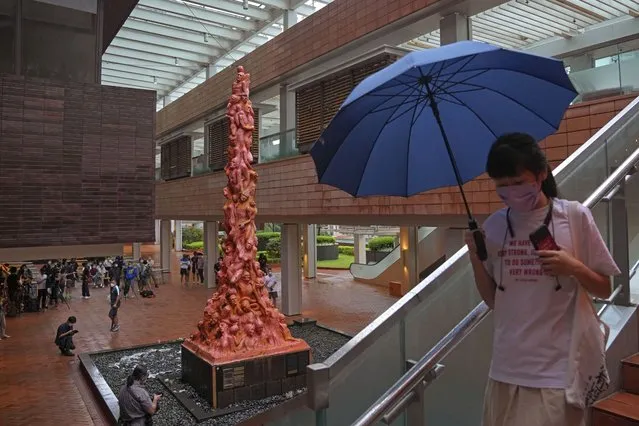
(40, 387)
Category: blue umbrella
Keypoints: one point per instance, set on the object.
(429, 119)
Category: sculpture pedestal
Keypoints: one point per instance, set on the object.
(252, 376)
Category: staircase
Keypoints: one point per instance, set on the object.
(621, 408)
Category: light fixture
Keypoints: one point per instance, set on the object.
(155, 80)
(245, 5)
(176, 61)
(206, 38)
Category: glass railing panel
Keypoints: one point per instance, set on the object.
(440, 311)
(618, 77)
(200, 165)
(278, 146)
(615, 141)
(457, 396)
(366, 379)
(300, 417)
(631, 192)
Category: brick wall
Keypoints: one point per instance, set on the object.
(330, 28)
(76, 163)
(287, 189)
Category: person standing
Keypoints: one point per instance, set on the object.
(115, 305)
(3, 303)
(185, 266)
(64, 336)
(86, 276)
(200, 267)
(534, 293)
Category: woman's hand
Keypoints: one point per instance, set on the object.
(558, 262)
(470, 242)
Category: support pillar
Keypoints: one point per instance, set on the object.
(454, 27)
(137, 252)
(211, 253)
(291, 270)
(310, 251)
(178, 235)
(359, 248)
(287, 121)
(165, 245)
(289, 19)
(157, 231)
(408, 243)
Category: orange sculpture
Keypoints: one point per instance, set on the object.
(240, 321)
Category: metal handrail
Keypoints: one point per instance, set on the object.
(320, 375)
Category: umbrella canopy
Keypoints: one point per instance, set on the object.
(400, 129)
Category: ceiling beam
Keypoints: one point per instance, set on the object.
(600, 35)
(202, 15)
(164, 31)
(235, 7)
(109, 59)
(184, 23)
(146, 78)
(160, 60)
(161, 51)
(161, 42)
(125, 82)
(143, 71)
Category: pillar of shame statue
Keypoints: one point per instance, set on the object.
(240, 321)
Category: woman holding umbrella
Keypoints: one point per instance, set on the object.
(534, 287)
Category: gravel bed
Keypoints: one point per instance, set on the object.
(164, 361)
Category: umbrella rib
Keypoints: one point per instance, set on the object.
(476, 115)
(515, 71)
(381, 129)
(437, 83)
(444, 84)
(410, 132)
(418, 102)
(507, 97)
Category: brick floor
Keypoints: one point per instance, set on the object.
(40, 387)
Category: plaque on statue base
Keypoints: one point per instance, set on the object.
(227, 381)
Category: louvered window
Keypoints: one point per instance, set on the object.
(219, 141)
(175, 158)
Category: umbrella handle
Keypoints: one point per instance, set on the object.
(480, 243)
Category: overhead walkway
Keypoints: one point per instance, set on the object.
(382, 375)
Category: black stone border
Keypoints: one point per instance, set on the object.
(109, 401)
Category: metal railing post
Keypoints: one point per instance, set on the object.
(619, 230)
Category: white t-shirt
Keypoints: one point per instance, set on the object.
(533, 319)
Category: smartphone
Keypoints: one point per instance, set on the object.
(541, 239)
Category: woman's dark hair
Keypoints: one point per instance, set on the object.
(72, 320)
(13, 270)
(139, 373)
(514, 153)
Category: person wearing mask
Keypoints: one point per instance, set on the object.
(116, 270)
(42, 293)
(136, 405)
(64, 336)
(534, 293)
(200, 267)
(86, 278)
(13, 285)
(130, 274)
(3, 303)
(185, 266)
(114, 298)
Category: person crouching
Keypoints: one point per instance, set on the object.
(64, 336)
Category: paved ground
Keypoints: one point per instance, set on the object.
(40, 387)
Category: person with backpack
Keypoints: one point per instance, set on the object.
(130, 273)
(185, 266)
(545, 257)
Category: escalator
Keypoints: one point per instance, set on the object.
(433, 248)
(371, 375)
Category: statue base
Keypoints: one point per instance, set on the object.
(250, 375)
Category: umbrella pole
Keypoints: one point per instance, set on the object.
(472, 223)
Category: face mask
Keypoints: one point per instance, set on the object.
(521, 198)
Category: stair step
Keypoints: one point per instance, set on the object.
(630, 374)
(619, 409)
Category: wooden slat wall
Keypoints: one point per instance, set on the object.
(175, 158)
(317, 104)
(219, 141)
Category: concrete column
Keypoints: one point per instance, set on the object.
(287, 120)
(291, 270)
(178, 235)
(157, 231)
(310, 251)
(581, 63)
(211, 253)
(359, 248)
(290, 19)
(408, 243)
(137, 252)
(165, 245)
(454, 27)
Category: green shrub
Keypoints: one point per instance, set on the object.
(325, 240)
(263, 239)
(273, 247)
(381, 243)
(347, 250)
(192, 234)
(195, 245)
